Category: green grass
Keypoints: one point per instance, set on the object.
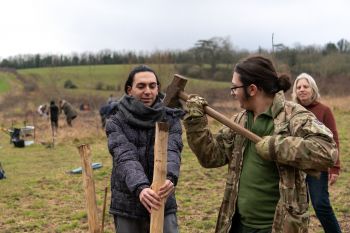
(85, 77)
(38, 192)
(4, 82)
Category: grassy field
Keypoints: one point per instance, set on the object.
(94, 85)
(87, 77)
(40, 196)
(4, 82)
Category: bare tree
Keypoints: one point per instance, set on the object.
(213, 51)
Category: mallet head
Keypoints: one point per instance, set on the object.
(172, 92)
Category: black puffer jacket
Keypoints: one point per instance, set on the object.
(131, 144)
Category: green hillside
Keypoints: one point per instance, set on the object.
(88, 77)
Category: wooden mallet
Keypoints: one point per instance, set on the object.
(176, 90)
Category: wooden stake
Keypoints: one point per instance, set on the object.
(89, 186)
(159, 174)
(104, 209)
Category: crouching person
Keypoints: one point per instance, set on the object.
(68, 110)
(131, 135)
(265, 188)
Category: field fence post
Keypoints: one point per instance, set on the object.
(89, 187)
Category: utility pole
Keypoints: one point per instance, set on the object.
(279, 46)
(273, 46)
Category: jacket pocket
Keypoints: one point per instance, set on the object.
(287, 220)
(296, 222)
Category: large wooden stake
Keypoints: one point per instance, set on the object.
(89, 187)
(159, 175)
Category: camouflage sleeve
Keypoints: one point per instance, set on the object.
(311, 145)
(211, 150)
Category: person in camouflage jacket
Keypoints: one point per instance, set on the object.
(295, 144)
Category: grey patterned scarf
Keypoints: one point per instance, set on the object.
(139, 115)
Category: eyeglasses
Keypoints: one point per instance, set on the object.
(233, 89)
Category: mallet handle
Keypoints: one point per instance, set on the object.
(226, 121)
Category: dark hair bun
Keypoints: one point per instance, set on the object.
(284, 82)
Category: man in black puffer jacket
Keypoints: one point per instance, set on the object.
(131, 133)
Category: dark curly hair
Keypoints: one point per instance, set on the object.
(260, 71)
(138, 69)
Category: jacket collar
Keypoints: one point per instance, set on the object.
(278, 104)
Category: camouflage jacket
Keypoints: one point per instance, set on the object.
(301, 143)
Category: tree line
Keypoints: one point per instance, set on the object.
(210, 59)
(213, 51)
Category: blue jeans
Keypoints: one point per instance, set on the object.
(318, 189)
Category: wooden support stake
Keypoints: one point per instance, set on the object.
(159, 175)
(104, 209)
(89, 187)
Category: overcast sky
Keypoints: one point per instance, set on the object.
(66, 26)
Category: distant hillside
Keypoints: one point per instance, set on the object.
(93, 85)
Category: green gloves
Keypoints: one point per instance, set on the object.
(265, 148)
(195, 106)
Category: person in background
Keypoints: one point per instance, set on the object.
(265, 186)
(43, 110)
(54, 112)
(305, 92)
(110, 99)
(68, 110)
(85, 107)
(131, 134)
(106, 111)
